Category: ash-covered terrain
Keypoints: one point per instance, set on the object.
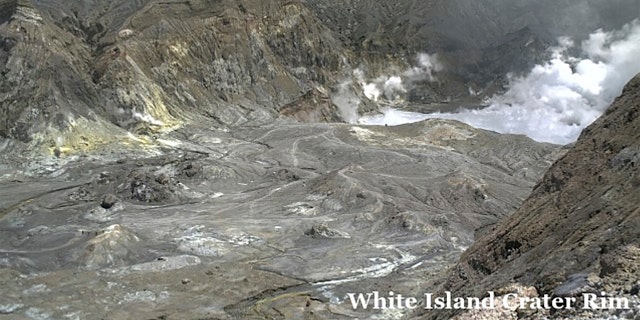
(211, 159)
(278, 220)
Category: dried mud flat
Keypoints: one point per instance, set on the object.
(277, 221)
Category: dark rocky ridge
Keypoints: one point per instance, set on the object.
(582, 219)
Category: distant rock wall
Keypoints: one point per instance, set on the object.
(165, 64)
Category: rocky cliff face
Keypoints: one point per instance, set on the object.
(579, 231)
(159, 64)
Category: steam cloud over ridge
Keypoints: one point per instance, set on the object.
(388, 87)
(558, 99)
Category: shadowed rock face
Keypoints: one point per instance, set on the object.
(579, 231)
(447, 24)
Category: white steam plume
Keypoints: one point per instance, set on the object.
(392, 86)
(558, 99)
(389, 87)
(427, 65)
(347, 102)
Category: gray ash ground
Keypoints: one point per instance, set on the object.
(276, 221)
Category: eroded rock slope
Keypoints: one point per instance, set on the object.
(153, 65)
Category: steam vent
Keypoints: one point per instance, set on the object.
(319, 159)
